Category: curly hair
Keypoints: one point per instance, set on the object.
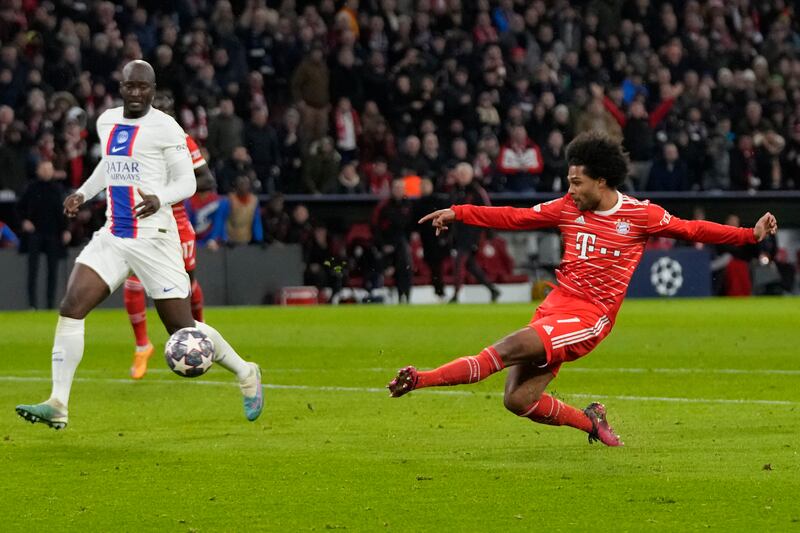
(601, 157)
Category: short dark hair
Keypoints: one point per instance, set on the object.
(601, 157)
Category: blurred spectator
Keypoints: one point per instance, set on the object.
(432, 156)
(669, 172)
(554, 174)
(291, 155)
(242, 215)
(348, 129)
(520, 161)
(224, 131)
(466, 238)
(350, 181)
(487, 115)
(300, 227)
(733, 264)
(744, 171)
(310, 89)
(436, 248)
(391, 220)
(321, 167)
(238, 164)
(206, 211)
(638, 130)
(378, 143)
(379, 177)
(262, 144)
(596, 117)
(44, 229)
(411, 158)
(720, 146)
(346, 79)
(323, 268)
(13, 160)
(276, 220)
(8, 239)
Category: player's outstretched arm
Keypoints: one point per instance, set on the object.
(663, 224)
(439, 219)
(766, 225)
(544, 215)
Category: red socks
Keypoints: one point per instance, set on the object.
(197, 301)
(463, 370)
(136, 306)
(549, 410)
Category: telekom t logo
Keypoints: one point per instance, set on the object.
(585, 243)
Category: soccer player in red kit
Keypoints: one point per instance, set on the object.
(604, 234)
(134, 296)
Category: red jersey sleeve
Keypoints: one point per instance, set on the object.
(544, 215)
(663, 224)
(194, 151)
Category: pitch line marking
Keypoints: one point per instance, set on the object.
(438, 392)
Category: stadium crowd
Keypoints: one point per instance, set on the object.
(328, 97)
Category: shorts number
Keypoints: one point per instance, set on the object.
(188, 249)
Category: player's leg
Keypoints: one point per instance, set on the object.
(524, 396)
(197, 296)
(136, 306)
(189, 251)
(85, 290)
(523, 346)
(158, 264)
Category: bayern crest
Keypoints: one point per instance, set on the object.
(623, 227)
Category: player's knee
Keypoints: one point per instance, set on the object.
(517, 403)
(71, 307)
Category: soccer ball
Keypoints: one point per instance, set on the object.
(189, 352)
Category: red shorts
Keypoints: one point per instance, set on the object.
(569, 326)
(188, 249)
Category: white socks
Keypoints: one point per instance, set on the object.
(67, 354)
(224, 354)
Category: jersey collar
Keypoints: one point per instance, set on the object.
(613, 209)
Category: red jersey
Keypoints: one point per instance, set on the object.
(178, 211)
(602, 248)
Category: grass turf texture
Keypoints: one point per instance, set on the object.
(172, 454)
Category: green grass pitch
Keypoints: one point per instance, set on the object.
(704, 392)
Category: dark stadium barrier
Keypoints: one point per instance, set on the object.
(679, 272)
(247, 275)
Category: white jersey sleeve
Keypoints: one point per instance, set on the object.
(181, 183)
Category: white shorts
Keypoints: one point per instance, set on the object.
(158, 263)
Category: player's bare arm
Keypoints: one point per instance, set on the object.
(72, 203)
(766, 225)
(149, 205)
(440, 219)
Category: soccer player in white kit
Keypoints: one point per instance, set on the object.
(145, 169)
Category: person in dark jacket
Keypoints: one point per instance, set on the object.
(261, 141)
(392, 221)
(45, 229)
(434, 247)
(466, 238)
(669, 173)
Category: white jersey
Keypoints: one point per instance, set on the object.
(146, 154)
